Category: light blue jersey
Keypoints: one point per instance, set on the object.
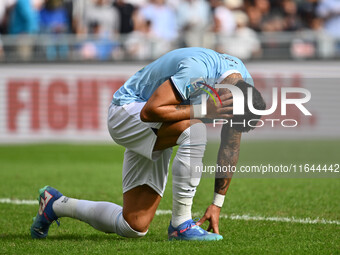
(182, 67)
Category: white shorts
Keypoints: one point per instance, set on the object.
(141, 165)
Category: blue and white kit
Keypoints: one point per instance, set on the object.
(182, 66)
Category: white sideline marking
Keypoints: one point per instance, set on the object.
(18, 202)
(261, 218)
(225, 216)
(281, 219)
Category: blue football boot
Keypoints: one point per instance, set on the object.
(189, 231)
(46, 215)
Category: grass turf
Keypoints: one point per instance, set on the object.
(94, 172)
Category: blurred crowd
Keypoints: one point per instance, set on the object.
(108, 29)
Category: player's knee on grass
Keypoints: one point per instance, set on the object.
(138, 222)
(131, 228)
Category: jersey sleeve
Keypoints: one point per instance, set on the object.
(188, 70)
(247, 77)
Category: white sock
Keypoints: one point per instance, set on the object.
(103, 216)
(65, 207)
(185, 178)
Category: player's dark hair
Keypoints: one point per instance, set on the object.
(258, 104)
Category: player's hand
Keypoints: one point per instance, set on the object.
(218, 111)
(212, 214)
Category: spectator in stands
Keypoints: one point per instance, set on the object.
(329, 10)
(307, 12)
(54, 21)
(53, 18)
(126, 11)
(139, 43)
(244, 43)
(163, 19)
(292, 21)
(78, 16)
(234, 5)
(263, 6)
(164, 28)
(224, 21)
(23, 22)
(68, 7)
(193, 19)
(98, 46)
(102, 12)
(273, 23)
(5, 6)
(24, 17)
(259, 12)
(255, 18)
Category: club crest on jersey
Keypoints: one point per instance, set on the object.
(195, 87)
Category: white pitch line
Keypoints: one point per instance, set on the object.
(225, 216)
(18, 202)
(281, 219)
(261, 218)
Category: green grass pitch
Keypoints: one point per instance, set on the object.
(94, 172)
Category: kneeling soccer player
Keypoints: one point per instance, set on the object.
(149, 115)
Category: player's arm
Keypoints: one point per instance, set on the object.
(227, 156)
(164, 105)
(229, 149)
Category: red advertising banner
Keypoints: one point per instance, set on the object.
(70, 103)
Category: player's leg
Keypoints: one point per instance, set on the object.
(141, 202)
(131, 220)
(144, 182)
(190, 135)
(139, 207)
(126, 129)
(103, 216)
(108, 217)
